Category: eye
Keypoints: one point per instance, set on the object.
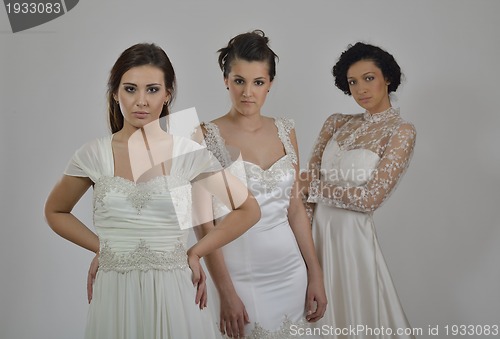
(259, 82)
(369, 78)
(351, 82)
(238, 81)
(153, 89)
(129, 89)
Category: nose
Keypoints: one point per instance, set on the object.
(247, 91)
(141, 99)
(361, 89)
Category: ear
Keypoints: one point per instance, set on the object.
(226, 82)
(115, 97)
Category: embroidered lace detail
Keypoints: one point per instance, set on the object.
(283, 333)
(142, 259)
(271, 177)
(139, 194)
(385, 134)
(390, 112)
(216, 144)
(285, 126)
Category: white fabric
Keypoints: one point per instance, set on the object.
(359, 287)
(265, 263)
(143, 288)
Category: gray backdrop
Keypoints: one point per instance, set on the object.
(439, 231)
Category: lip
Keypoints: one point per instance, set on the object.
(246, 102)
(140, 115)
(364, 99)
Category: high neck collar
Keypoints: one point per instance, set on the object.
(388, 113)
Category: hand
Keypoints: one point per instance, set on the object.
(199, 280)
(94, 265)
(316, 298)
(233, 315)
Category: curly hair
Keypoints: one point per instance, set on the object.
(251, 46)
(361, 51)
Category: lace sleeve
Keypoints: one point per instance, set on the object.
(331, 125)
(369, 197)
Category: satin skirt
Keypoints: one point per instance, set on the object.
(362, 299)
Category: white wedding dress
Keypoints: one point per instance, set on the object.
(361, 158)
(143, 288)
(265, 263)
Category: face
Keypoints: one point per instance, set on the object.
(248, 84)
(141, 95)
(368, 86)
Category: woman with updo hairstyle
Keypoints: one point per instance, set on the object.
(144, 282)
(269, 280)
(356, 163)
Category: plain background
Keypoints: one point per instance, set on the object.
(439, 231)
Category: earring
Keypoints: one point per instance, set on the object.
(117, 102)
(165, 103)
(267, 91)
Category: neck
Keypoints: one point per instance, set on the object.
(249, 123)
(153, 130)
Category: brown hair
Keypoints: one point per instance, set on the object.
(134, 56)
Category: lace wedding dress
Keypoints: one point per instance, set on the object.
(143, 288)
(356, 163)
(265, 263)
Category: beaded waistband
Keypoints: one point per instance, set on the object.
(143, 258)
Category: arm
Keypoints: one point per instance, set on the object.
(63, 197)
(331, 125)
(233, 315)
(370, 196)
(245, 211)
(301, 228)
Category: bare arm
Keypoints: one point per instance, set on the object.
(299, 222)
(63, 197)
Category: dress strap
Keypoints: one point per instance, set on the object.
(216, 144)
(285, 126)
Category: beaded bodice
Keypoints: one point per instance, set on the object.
(358, 160)
(271, 186)
(142, 225)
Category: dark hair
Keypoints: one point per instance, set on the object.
(251, 46)
(138, 55)
(361, 51)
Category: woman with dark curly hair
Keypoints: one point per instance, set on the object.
(269, 281)
(356, 163)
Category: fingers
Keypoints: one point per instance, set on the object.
(315, 310)
(90, 281)
(233, 326)
(246, 318)
(201, 292)
(94, 265)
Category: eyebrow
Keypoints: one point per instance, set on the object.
(259, 78)
(148, 85)
(351, 77)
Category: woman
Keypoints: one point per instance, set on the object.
(357, 162)
(269, 280)
(143, 287)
